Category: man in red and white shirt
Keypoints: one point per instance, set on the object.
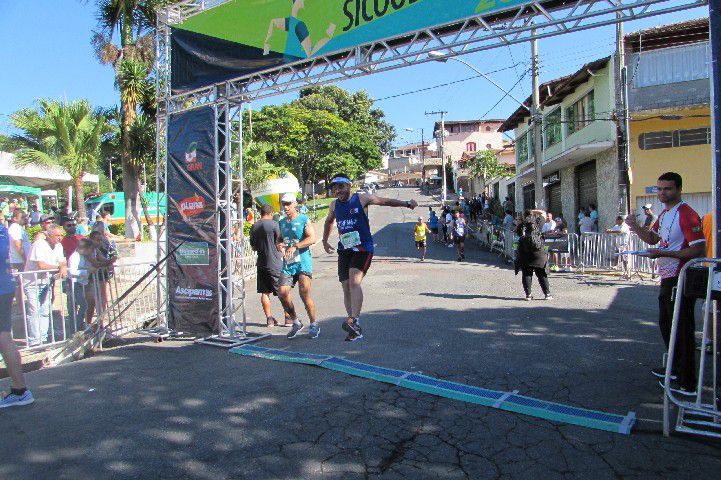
(678, 232)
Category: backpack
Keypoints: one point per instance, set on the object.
(530, 240)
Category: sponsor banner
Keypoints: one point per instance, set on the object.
(193, 268)
(240, 37)
(193, 253)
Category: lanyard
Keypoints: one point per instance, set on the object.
(673, 221)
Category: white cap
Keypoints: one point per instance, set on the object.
(647, 206)
(288, 198)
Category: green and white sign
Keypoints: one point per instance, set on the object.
(193, 253)
(240, 37)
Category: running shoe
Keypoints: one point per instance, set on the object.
(679, 390)
(12, 400)
(354, 330)
(661, 373)
(295, 329)
(549, 297)
(529, 298)
(313, 330)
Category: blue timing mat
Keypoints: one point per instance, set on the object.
(510, 401)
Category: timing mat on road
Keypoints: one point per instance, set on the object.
(510, 401)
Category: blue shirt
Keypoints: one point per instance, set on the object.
(293, 232)
(352, 223)
(433, 221)
(7, 283)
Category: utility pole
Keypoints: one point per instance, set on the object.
(537, 124)
(622, 121)
(442, 135)
(423, 157)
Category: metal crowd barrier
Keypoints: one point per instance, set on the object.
(702, 414)
(48, 311)
(244, 258)
(569, 252)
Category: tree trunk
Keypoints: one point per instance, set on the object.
(79, 195)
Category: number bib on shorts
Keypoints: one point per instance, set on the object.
(350, 239)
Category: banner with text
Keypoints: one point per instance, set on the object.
(240, 37)
(193, 268)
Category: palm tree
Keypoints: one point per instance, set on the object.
(60, 134)
(132, 57)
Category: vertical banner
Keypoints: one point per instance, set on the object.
(193, 268)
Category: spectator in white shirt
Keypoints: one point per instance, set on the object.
(46, 254)
(550, 224)
(20, 244)
(623, 231)
(586, 224)
(508, 220)
(78, 273)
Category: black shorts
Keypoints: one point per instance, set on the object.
(459, 239)
(6, 304)
(268, 282)
(348, 259)
(434, 230)
(291, 280)
(420, 244)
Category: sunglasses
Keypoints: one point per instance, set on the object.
(286, 204)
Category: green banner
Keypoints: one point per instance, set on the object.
(300, 29)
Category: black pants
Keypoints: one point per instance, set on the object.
(684, 358)
(527, 279)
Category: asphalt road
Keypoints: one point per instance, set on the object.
(179, 410)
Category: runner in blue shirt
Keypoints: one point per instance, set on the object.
(19, 394)
(298, 236)
(355, 246)
(433, 223)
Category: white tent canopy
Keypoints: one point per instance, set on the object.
(33, 176)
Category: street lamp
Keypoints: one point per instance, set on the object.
(442, 57)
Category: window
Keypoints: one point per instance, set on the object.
(522, 148)
(580, 114)
(671, 65)
(552, 128)
(488, 146)
(488, 129)
(674, 138)
(471, 147)
(469, 128)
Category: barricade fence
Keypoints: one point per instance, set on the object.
(48, 310)
(571, 252)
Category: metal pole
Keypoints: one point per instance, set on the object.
(622, 145)
(443, 157)
(537, 123)
(715, 41)
(423, 156)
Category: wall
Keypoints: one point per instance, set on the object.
(693, 163)
(607, 188)
(568, 197)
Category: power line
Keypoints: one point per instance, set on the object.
(506, 94)
(444, 84)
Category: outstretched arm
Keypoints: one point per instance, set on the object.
(386, 202)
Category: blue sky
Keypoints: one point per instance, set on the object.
(45, 53)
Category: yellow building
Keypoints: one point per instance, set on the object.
(669, 97)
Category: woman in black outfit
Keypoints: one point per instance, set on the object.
(531, 256)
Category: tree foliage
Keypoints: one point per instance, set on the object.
(327, 130)
(486, 165)
(65, 134)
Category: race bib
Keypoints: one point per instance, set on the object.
(350, 239)
(296, 255)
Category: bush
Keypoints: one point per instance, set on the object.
(34, 230)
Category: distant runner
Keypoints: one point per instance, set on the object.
(420, 229)
(458, 227)
(355, 248)
(297, 236)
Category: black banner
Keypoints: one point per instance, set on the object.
(556, 243)
(193, 268)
